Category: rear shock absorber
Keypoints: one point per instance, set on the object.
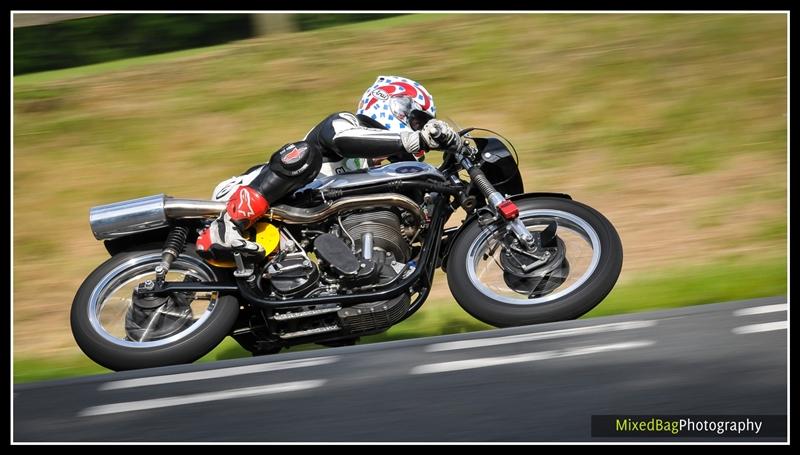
(172, 248)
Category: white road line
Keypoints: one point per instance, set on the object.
(766, 327)
(467, 344)
(529, 357)
(130, 406)
(218, 373)
(761, 310)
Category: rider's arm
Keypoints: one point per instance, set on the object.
(344, 135)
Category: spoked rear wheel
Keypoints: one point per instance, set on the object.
(122, 331)
(503, 284)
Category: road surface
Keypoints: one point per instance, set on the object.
(533, 383)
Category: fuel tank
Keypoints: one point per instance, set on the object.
(404, 170)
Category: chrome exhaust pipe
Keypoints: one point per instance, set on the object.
(119, 219)
(124, 218)
(193, 208)
(295, 215)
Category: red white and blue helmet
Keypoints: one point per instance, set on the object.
(397, 103)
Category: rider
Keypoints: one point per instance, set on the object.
(395, 120)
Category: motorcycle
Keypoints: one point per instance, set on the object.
(349, 255)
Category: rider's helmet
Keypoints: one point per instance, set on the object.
(397, 103)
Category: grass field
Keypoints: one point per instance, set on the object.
(673, 125)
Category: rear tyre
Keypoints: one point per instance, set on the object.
(122, 333)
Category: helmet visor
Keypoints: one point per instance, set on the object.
(408, 111)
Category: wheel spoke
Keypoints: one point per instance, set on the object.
(521, 277)
(112, 304)
(154, 316)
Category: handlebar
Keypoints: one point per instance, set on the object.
(437, 136)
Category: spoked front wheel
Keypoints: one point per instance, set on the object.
(504, 284)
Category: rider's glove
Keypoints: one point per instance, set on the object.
(437, 134)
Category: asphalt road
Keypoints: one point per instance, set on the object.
(534, 383)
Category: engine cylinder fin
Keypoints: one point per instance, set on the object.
(375, 315)
(384, 225)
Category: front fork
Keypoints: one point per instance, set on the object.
(502, 207)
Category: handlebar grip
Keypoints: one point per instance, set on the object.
(437, 135)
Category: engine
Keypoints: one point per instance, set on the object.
(354, 252)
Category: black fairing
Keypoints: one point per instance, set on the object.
(499, 166)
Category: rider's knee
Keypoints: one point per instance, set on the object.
(299, 161)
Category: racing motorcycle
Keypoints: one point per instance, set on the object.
(349, 255)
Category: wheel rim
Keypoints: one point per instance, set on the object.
(111, 300)
(583, 251)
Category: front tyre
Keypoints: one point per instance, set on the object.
(121, 333)
(481, 271)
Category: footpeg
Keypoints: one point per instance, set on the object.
(241, 271)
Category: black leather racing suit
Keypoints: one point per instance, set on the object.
(338, 137)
